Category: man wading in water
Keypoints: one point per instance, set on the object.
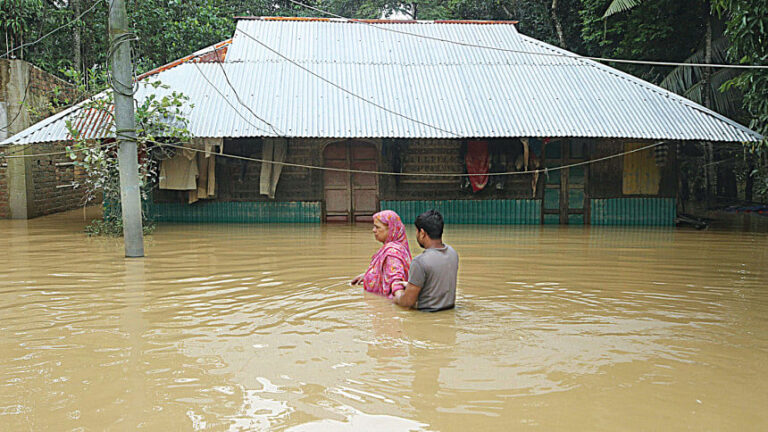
(432, 282)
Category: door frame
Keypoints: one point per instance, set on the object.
(349, 143)
(566, 158)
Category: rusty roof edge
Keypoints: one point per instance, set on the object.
(173, 64)
(52, 119)
(371, 21)
(71, 110)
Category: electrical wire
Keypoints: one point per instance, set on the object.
(397, 174)
(277, 53)
(126, 37)
(573, 56)
(15, 155)
(237, 96)
(67, 24)
(227, 100)
(21, 106)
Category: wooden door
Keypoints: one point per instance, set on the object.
(351, 196)
(565, 199)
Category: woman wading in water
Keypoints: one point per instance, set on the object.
(388, 271)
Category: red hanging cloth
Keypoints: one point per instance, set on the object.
(478, 162)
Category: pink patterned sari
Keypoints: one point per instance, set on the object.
(392, 262)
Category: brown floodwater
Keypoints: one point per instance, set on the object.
(254, 327)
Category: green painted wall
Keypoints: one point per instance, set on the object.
(616, 211)
(238, 212)
(634, 211)
(487, 212)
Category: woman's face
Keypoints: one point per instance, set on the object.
(380, 230)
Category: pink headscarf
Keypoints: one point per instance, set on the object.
(392, 262)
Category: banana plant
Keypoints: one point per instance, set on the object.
(688, 81)
(617, 6)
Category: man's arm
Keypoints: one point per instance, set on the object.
(407, 297)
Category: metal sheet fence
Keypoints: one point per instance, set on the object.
(237, 212)
(484, 212)
(634, 211)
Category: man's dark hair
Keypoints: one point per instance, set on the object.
(431, 222)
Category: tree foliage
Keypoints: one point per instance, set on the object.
(156, 117)
(747, 30)
(667, 30)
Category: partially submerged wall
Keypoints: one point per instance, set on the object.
(29, 186)
(508, 199)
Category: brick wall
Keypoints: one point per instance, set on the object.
(22, 85)
(54, 179)
(238, 180)
(46, 89)
(447, 156)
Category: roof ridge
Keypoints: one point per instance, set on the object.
(201, 52)
(372, 21)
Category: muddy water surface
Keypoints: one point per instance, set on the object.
(249, 327)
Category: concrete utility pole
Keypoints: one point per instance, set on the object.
(125, 128)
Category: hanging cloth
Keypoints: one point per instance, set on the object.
(205, 161)
(206, 166)
(478, 162)
(179, 172)
(273, 149)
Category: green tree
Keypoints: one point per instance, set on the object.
(99, 159)
(747, 30)
(16, 19)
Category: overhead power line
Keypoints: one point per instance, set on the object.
(18, 155)
(210, 83)
(561, 55)
(399, 174)
(355, 171)
(239, 99)
(355, 95)
(67, 24)
(21, 107)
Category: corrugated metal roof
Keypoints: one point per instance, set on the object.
(458, 90)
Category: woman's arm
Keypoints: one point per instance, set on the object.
(358, 279)
(408, 297)
(395, 276)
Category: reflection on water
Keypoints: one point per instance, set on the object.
(247, 327)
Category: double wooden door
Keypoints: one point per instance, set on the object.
(350, 196)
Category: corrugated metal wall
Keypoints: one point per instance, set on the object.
(238, 212)
(486, 212)
(634, 211)
(616, 212)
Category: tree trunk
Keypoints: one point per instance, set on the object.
(412, 10)
(506, 11)
(749, 183)
(710, 174)
(558, 25)
(76, 48)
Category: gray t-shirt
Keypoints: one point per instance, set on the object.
(435, 272)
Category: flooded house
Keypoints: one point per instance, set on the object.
(322, 120)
